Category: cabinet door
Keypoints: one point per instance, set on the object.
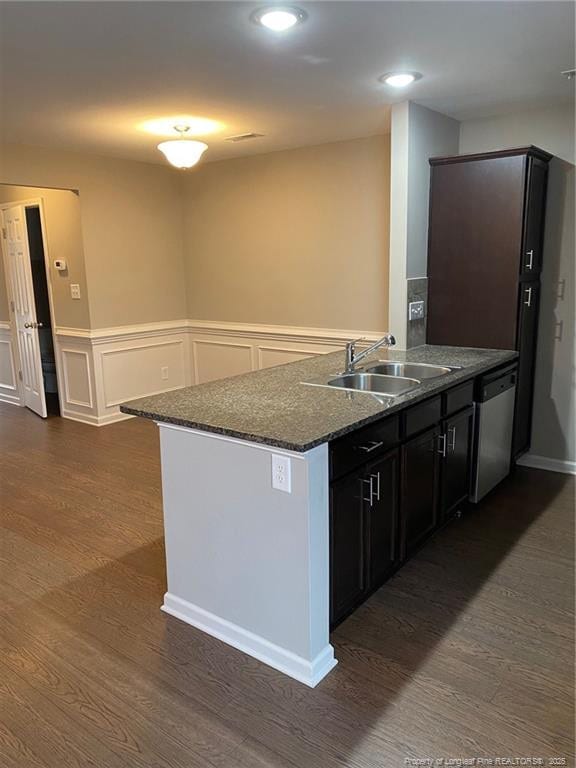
(474, 242)
(533, 235)
(420, 468)
(527, 336)
(456, 463)
(383, 518)
(347, 544)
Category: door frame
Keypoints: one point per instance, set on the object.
(34, 202)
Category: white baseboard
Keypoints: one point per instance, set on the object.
(551, 465)
(95, 421)
(308, 672)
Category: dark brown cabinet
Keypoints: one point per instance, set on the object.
(363, 533)
(383, 519)
(529, 300)
(455, 443)
(393, 483)
(420, 464)
(486, 230)
(347, 546)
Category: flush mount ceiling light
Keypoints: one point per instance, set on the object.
(399, 79)
(182, 153)
(279, 18)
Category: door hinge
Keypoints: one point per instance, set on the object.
(12, 306)
(20, 375)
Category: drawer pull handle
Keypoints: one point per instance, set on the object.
(372, 446)
(528, 292)
(530, 255)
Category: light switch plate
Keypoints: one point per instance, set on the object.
(75, 290)
(416, 310)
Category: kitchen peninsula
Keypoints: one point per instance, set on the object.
(251, 467)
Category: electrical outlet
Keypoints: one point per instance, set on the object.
(75, 290)
(164, 372)
(416, 310)
(281, 473)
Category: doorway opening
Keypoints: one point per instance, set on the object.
(42, 305)
(31, 312)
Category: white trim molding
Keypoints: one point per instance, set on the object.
(308, 672)
(551, 465)
(9, 390)
(104, 367)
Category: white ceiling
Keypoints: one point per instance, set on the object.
(83, 76)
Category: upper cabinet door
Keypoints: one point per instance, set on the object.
(475, 239)
(533, 236)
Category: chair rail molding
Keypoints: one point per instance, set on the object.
(103, 367)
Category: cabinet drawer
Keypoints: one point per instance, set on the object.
(363, 445)
(420, 417)
(457, 398)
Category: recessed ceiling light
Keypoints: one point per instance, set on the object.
(399, 79)
(279, 18)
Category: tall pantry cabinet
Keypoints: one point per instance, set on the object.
(486, 229)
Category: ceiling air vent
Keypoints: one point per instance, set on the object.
(245, 137)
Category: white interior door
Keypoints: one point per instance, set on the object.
(19, 277)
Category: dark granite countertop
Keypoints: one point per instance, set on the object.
(274, 407)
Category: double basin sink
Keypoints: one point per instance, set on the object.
(387, 378)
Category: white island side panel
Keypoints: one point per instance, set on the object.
(247, 563)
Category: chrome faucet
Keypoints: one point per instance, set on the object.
(352, 359)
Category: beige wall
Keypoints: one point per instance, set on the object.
(298, 237)
(64, 241)
(131, 219)
(554, 431)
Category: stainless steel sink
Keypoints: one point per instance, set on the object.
(417, 371)
(370, 382)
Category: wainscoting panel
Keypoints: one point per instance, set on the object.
(77, 379)
(9, 392)
(219, 359)
(145, 369)
(119, 364)
(105, 367)
(270, 356)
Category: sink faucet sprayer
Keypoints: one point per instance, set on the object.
(352, 359)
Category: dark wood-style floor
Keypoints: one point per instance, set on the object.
(467, 652)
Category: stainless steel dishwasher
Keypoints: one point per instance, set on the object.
(493, 425)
